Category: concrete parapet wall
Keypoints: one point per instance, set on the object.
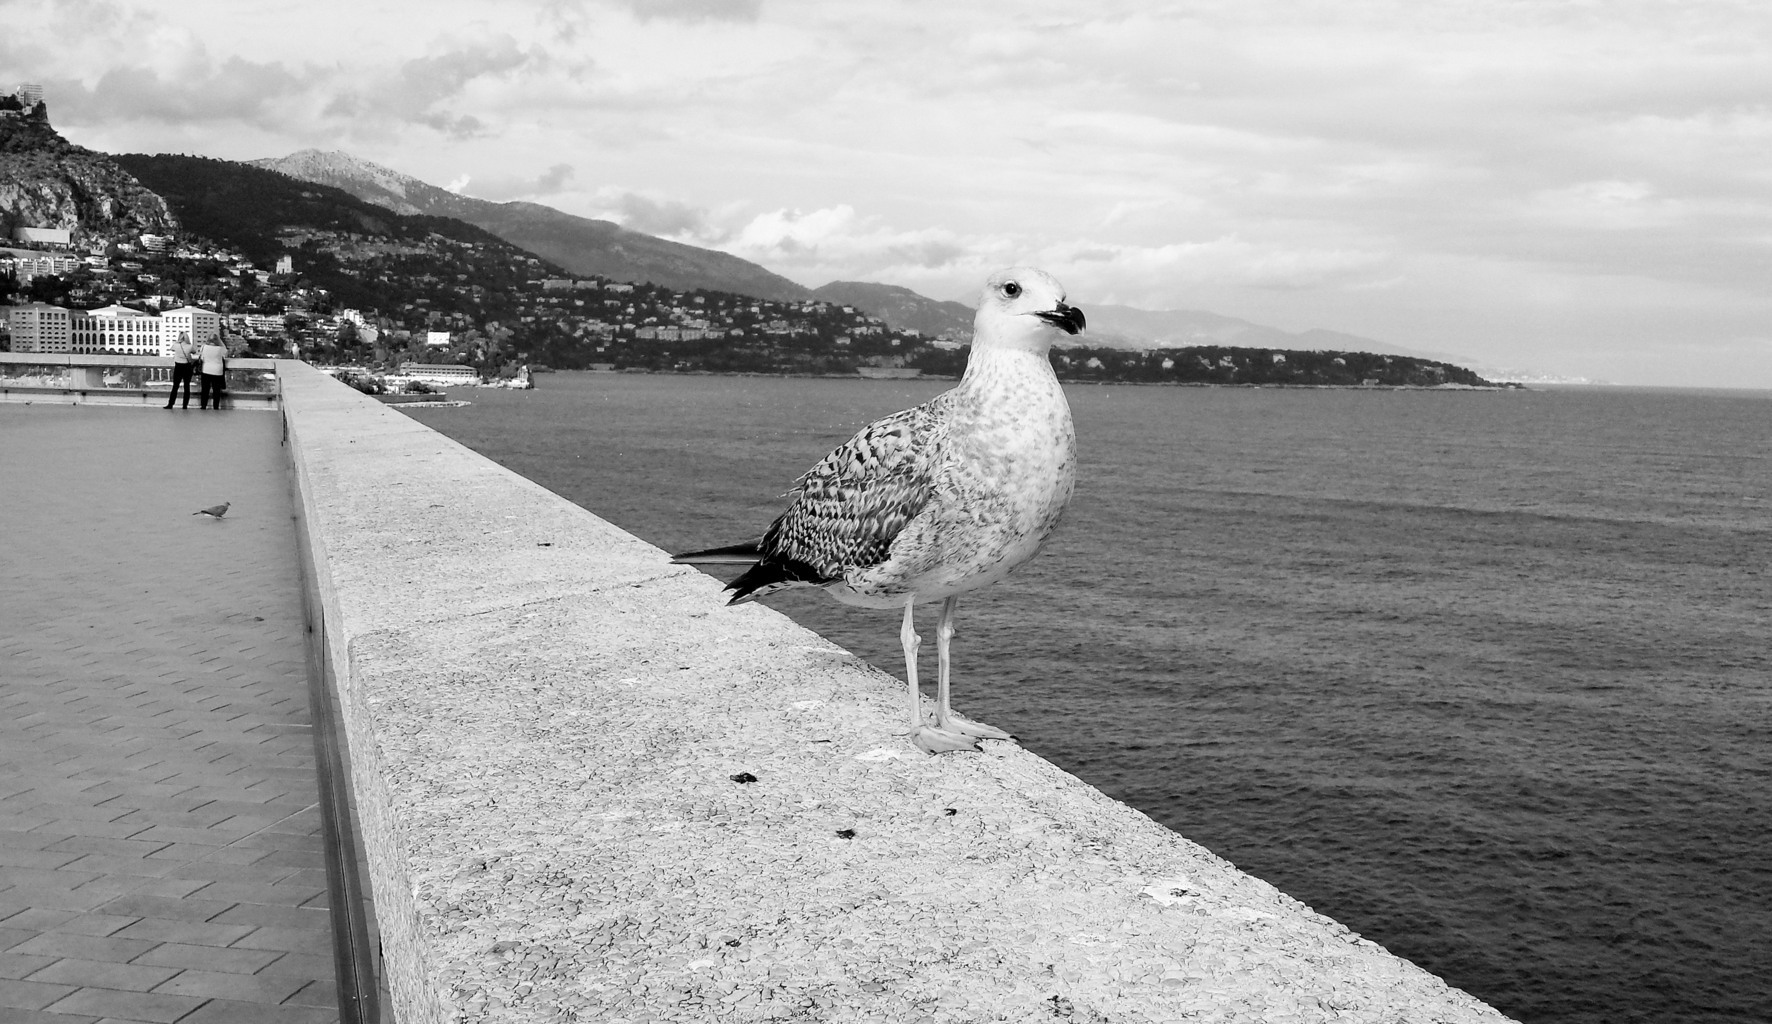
(121, 359)
(83, 380)
(545, 718)
(144, 397)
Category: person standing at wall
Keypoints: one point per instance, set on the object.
(184, 365)
(215, 364)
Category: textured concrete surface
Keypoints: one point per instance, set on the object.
(159, 845)
(553, 728)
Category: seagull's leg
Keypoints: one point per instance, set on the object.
(945, 719)
(944, 632)
(929, 740)
(907, 635)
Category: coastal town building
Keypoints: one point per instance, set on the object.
(200, 324)
(39, 327)
(257, 325)
(28, 265)
(114, 328)
(60, 237)
(440, 373)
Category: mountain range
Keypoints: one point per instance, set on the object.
(579, 244)
(587, 246)
(48, 182)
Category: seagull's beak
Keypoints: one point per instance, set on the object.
(1068, 319)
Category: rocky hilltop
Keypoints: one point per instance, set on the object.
(48, 182)
(579, 244)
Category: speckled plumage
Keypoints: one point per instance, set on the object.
(943, 498)
(850, 508)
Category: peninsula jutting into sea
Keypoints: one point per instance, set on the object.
(120, 254)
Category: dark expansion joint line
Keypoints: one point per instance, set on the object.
(355, 962)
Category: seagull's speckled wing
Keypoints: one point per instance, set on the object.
(848, 509)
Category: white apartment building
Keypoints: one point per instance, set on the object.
(201, 324)
(28, 265)
(440, 373)
(39, 327)
(116, 329)
(256, 324)
(43, 236)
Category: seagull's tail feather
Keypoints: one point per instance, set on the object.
(766, 575)
(767, 578)
(747, 553)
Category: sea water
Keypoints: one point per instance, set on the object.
(1486, 676)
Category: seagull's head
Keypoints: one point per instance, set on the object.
(1023, 307)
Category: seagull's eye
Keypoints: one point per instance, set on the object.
(1011, 289)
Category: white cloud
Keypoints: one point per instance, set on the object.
(551, 182)
(836, 243)
(1607, 205)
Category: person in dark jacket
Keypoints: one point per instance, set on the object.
(184, 365)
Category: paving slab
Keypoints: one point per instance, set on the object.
(156, 753)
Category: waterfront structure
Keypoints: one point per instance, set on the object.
(442, 373)
(40, 327)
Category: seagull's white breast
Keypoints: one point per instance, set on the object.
(1000, 480)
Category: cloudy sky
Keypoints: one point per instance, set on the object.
(1579, 189)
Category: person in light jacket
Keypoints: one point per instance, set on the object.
(184, 364)
(215, 363)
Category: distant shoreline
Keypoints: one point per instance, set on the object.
(1067, 380)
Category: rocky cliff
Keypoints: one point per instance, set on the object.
(48, 182)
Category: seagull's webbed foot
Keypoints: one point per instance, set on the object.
(932, 740)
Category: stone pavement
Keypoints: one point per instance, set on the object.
(160, 846)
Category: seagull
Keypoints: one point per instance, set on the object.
(214, 511)
(939, 500)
